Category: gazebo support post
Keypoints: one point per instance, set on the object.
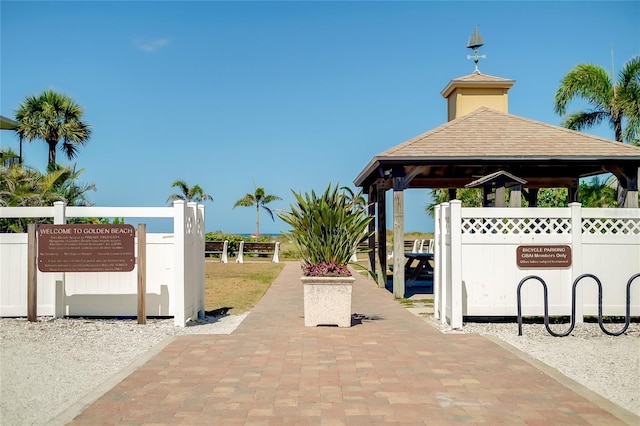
(515, 196)
(381, 265)
(533, 197)
(500, 196)
(398, 234)
(631, 201)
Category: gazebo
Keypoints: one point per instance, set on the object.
(481, 138)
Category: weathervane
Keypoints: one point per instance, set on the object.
(475, 42)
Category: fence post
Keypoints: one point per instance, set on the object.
(179, 262)
(436, 267)
(576, 253)
(192, 271)
(200, 259)
(59, 218)
(142, 273)
(32, 274)
(445, 270)
(456, 264)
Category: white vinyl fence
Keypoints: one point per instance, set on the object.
(477, 270)
(175, 268)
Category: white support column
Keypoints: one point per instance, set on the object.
(201, 237)
(192, 269)
(179, 213)
(436, 269)
(199, 259)
(59, 218)
(442, 258)
(456, 264)
(576, 261)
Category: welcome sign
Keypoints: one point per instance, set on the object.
(86, 248)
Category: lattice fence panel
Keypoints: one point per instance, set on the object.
(189, 226)
(611, 226)
(516, 226)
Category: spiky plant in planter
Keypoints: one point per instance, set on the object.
(327, 228)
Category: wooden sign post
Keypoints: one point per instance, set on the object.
(142, 273)
(32, 274)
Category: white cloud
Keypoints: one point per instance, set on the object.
(151, 45)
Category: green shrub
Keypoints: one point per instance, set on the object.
(327, 228)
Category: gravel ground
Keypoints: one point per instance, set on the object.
(47, 366)
(50, 365)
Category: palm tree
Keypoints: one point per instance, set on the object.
(597, 193)
(617, 103)
(53, 117)
(258, 199)
(66, 185)
(188, 193)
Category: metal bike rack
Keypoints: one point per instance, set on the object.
(573, 305)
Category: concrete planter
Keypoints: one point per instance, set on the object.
(327, 301)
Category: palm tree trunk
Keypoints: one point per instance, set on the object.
(257, 222)
(52, 152)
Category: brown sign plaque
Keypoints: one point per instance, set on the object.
(543, 256)
(86, 248)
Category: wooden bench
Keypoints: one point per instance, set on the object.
(258, 249)
(219, 248)
(427, 246)
(410, 246)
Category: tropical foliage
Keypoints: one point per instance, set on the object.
(597, 193)
(594, 193)
(53, 117)
(188, 193)
(616, 103)
(258, 199)
(8, 157)
(470, 197)
(21, 186)
(327, 228)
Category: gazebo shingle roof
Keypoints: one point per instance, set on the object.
(485, 141)
(488, 133)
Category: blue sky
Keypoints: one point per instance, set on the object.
(282, 95)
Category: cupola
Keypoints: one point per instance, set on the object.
(476, 90)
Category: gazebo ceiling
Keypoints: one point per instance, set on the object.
(485, 141)
(7, 123)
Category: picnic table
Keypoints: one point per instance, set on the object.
(423, 266)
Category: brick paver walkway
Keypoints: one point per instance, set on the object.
(391, 367)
